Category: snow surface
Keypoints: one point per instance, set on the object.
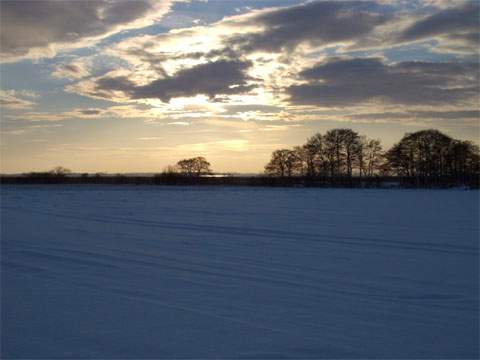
(220, 272)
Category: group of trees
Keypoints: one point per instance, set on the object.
(58, 172)
(345, 153)
(195, 167)
(340, 152)
(429, 153)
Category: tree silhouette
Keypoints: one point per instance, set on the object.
(344, 153)
(284, 162)
(340, 151)
(314, 156)
(197, 166)
(430, 153)
(369, 156)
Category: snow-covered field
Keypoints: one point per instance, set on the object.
(197, 272)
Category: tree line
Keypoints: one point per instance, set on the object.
(341, 153)
(338, 158)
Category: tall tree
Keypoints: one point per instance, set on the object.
(370, 156)
(314, 156)
(340, 151)
(332, 151)
(351, 144)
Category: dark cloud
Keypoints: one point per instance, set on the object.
(441, 115)
(276, 30)
(38, 24)
(470, 38)
(317, 23)
(340, 81)
(90, 112)
(221, 77)
(72, 68)
(459, 23)
(117, 83)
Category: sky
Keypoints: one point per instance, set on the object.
(135, 86)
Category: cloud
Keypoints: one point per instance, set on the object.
(462, 19)
(315, 23)
(39, 28)
(90, 112)
(273, 31)
(249, 66)
(12, 99)
(150, 138)
(30, 128)
(214, 147)
(179, 123)
(425, 118)
(440, 115)
(235, 109)
(131, 111)
(25, 93)
(212, 79)
(221, 60)
(37, 116)
(51, 116)
(458, 25)
(344, 81)
(73, 70)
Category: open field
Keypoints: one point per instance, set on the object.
(237, 272)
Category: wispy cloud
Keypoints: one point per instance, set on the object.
(179, 123)
(150, 138)
(73, 70)
(15, 99)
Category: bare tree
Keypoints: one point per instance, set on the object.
(197, 166)
(314, 156)
(302, 158)
(370, 156)
(284, 162)
(341, 149)
(351, 144)
(332, 151)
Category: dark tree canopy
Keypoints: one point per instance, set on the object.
(196, 166)
(283, 163)
(432, 153)
(340, 152)
(345, 153)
